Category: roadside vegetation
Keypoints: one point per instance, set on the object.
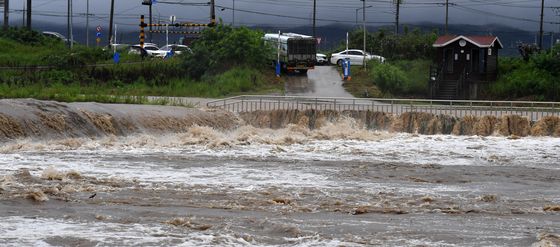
(405, 74)
(225, 61)
(406, 70)
(535, 78)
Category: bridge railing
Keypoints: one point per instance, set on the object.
(531, 109)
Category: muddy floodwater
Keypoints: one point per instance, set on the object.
(336, 185)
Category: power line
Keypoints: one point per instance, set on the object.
(295, 17)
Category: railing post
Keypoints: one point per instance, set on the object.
(511, 107)
(335, 104)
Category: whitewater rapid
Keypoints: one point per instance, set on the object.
(207, 178)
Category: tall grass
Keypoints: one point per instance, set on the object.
(402, 77)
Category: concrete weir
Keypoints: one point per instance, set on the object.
(44, 120)
(409, 122)
(35, 119)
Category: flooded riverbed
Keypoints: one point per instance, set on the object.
(119, 175)
(396, 190)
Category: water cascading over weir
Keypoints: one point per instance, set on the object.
(428, 117)
(45, 120)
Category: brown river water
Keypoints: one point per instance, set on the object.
(86, 174)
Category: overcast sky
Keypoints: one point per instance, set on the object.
(523, 14)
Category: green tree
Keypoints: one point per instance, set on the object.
(224, 47)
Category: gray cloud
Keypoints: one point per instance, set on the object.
(299, 12)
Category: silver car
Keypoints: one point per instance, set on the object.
(322, 59)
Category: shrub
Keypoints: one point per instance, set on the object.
(224, 47)
(389, 78)
(537, 78)
(402, 77)
(25, 36)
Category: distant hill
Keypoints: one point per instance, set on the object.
(331, 35)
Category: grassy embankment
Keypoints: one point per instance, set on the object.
(400, 78)
(53, 72)
(409, 55)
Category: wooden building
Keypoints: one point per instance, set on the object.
(463, 65)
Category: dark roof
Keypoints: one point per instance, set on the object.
(480, 41)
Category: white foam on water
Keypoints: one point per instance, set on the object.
(35, 231)
(162, 160)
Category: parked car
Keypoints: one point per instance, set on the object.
(58, 36)
(117, 47)
(322, 59)
(356, 57)
(177, 49)
(150, 50)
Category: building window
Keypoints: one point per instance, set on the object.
(489, 51)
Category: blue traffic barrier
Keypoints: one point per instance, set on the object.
(116, 58)
(346, 69)
(277, 69)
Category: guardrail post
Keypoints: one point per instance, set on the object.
(334, 104)
(353, 105)
(510, 107)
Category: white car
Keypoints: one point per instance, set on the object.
(177, 49)
(322, 59)
(57, 36)
(356, 57)
(151, 50)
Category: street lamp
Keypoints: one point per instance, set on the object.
(358, 9)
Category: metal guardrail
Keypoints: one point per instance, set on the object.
(458, 108)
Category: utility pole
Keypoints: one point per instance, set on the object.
(541, 32)
(29, 14)
(551, 40)
(87, 23)
(71, 37)
(233, 17)
(150, 22)
(398, 2)
(314, 17)
(446, 14)
(364, 26)
(68, 22)
(557, 11)
(111, 22)
(212, 13)
(6, 14)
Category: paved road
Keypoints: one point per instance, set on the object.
(323, 81)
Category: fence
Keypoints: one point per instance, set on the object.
(458, 108)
